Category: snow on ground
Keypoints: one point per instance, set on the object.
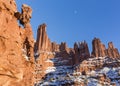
(111, 73)
(61, 74)
(50, 69)
(49, 61)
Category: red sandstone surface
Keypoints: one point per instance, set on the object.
(23, 62)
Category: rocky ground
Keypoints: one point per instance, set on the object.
(61, 75)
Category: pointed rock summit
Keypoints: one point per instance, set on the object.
(81, 52)
(99, 49)
(111, 51)
(43, 43)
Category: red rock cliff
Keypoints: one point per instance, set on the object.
(111, 51)
(16, 49)
(98, 49)
(17, 66)
(43, 43)
(81, 52)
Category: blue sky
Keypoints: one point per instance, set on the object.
(77, 20)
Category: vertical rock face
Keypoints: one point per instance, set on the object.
(76, 54)
(63, 50)
(111, 51)
(27, 43)
(55, 47)
(98, 48)
(63, 46)
(42, 50)
(84, 51)
(81, 52)
(43, 43)
(15, 69)
(24, 19)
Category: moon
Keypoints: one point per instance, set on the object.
(75, 11)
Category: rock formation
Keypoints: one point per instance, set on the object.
(18, 50)
(55, 47)
(76, 54)
(43, 49)
(84, 51)
(63, 46)
(63, 50)
(25, 15)
(111, 51)
(43, 43)
(98, 48)
(81, 52)
(15, 68)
